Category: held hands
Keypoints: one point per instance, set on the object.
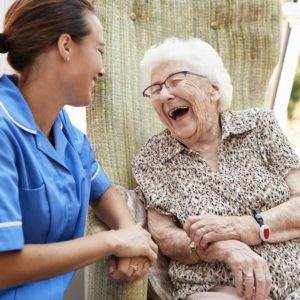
(205, 229)
(128, 268)
(134, 241)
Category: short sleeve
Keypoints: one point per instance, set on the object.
(11, 232)
(275, 148)
(99, 181)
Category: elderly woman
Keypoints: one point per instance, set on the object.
(221, 187)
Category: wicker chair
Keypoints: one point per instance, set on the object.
(246, 33)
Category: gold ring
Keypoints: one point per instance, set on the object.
(134, 267)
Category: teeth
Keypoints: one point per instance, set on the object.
(171, 112)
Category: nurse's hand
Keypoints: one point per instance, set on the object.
(133, 241)
(128, 268)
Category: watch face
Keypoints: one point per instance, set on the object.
(264, 232)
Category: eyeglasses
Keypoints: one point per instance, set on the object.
(170, 82)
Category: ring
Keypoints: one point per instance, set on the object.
(248, 275)
(134, 267)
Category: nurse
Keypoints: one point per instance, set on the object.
(48, 173)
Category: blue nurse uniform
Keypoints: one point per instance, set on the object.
(44, 189)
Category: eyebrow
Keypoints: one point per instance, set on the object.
(154, 83)
(158, 82)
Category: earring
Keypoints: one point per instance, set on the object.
(67, 59)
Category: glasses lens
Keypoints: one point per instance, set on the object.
(175, 79)
(152, 90)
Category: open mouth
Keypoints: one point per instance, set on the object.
(178, 112)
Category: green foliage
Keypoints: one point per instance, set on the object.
(295, 95)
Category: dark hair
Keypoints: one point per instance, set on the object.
(32, 26)
(3, 45)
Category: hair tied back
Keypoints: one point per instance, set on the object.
(3, 43)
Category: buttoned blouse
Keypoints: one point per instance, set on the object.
(254, 158)
(44, 189)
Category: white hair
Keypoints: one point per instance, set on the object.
(198, 54)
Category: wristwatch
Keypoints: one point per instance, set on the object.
(264, 230)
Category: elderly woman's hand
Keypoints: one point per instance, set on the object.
(250, 271)
(206, 229)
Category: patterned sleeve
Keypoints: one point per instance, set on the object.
(275, 148)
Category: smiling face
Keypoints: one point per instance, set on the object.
(190, 108)
(86, 64)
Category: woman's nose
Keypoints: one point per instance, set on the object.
(165, 93)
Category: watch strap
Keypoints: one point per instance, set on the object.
(257, 216)
(264, 230)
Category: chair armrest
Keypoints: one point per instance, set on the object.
(98, 285)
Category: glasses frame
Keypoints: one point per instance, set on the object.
(164, 82)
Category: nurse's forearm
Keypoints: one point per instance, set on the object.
(38, 262)
(112, 209)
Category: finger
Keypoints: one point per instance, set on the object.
(260, 284)
(152, 256)
(209, 237)
(268, 281)
(193, 219)
(146, 268)
(186, 227)
(153, 246)
(190, 222)
(238, 279)
(143, 269)
(112, 264)
(123, 271)
(141, 265)
(195, 228)
(152, 252)
(198, 237)
(136, 274)
(248, 284)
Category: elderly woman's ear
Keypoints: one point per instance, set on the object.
(215, 93)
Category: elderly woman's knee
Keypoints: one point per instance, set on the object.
(216, 293)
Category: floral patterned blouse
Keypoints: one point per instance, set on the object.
(254, 158)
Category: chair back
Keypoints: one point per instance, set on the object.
(246, 33)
